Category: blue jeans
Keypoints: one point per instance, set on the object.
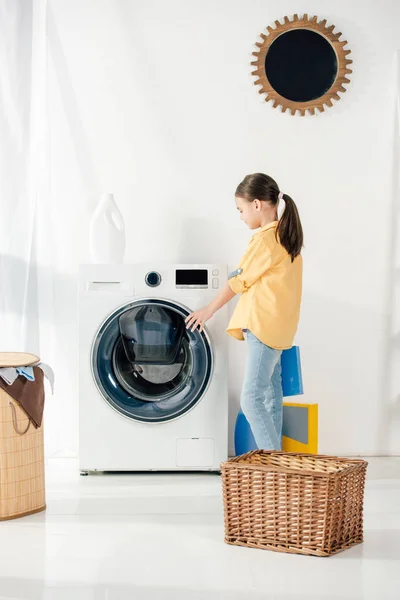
(262, 398)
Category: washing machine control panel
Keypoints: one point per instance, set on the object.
(191, 279)
(185, 278)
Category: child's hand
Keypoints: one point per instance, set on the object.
(198, 318)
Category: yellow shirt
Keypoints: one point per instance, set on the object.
(271, 285)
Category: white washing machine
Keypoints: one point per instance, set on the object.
(152, 395)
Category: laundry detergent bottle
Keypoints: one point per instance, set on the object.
(107, 232)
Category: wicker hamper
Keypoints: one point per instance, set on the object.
(22, 489)
(300, 503)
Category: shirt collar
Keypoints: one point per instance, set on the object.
(271, 225)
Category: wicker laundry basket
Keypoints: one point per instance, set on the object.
(299, 503)
(22, 484)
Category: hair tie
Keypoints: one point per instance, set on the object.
(281, 205)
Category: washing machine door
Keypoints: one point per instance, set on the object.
(147, 365)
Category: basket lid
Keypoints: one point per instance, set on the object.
(17, 359)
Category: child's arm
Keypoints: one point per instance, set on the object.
(199, 317)
(253, 265)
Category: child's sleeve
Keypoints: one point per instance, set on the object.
(253, 265)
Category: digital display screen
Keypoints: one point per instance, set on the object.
(191, 277)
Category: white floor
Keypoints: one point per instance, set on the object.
(161, 537)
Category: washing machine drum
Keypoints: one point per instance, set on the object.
(147, 365)
(151, 335)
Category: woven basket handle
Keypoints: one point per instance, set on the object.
(15, 422)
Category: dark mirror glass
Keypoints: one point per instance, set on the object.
(301, 65)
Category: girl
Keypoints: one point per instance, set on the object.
(269, 279)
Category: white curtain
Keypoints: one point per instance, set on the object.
(27, 249)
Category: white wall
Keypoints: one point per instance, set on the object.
(154, 101)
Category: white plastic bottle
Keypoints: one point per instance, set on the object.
(107, 232)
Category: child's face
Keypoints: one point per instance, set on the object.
(250, 212)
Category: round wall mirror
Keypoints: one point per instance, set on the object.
(301, 65)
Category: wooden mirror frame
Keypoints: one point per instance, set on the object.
(332, 38)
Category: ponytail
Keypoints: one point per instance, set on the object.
(289, 230)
